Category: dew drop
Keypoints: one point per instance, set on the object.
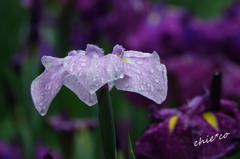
(54, 75)
(151, 70)
(156, 80)
(139, 62)
(43, 111)
(102, 80)
(121, 76)
(83, 64)
(48, 87)
(96, 85)
(82, 59)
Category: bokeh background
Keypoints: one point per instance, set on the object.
(193, 39)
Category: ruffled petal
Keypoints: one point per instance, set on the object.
(118, 50)
(94, 51)
(45, 87)
(144, 74)
(49, 61)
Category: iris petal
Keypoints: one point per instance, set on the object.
(144, 74)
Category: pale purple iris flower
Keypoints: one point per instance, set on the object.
(84, 72)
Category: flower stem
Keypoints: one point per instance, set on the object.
(106, 122)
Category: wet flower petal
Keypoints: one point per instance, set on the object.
(45, 87)
(144, 74)
(94, 73)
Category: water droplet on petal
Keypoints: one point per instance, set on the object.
(40, 103)
(156, 80)
(151, 70)
(82, 59)
(102, 80)
(43, 111)
(83, 64)
(48, 87)
(54, 75)
(121, 76)
(96, 85)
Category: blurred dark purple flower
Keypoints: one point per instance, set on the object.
(43, 152)
(123, 127)
(63, 123)
(189, 70)
(82, 5)
(192, 131)
(44, 50)
(10, 151)
(167, 30)
(123, 19)
(36, 40)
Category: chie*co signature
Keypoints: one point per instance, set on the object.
(207, 140)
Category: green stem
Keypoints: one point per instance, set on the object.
(106, 122)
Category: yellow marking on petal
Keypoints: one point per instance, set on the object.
(125, 59)
(211, 119)
(172, 123)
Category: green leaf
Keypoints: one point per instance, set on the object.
(130, 148)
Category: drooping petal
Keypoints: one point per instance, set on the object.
(83, 94)
(144, 74)
(94, 73)
(45, 87)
